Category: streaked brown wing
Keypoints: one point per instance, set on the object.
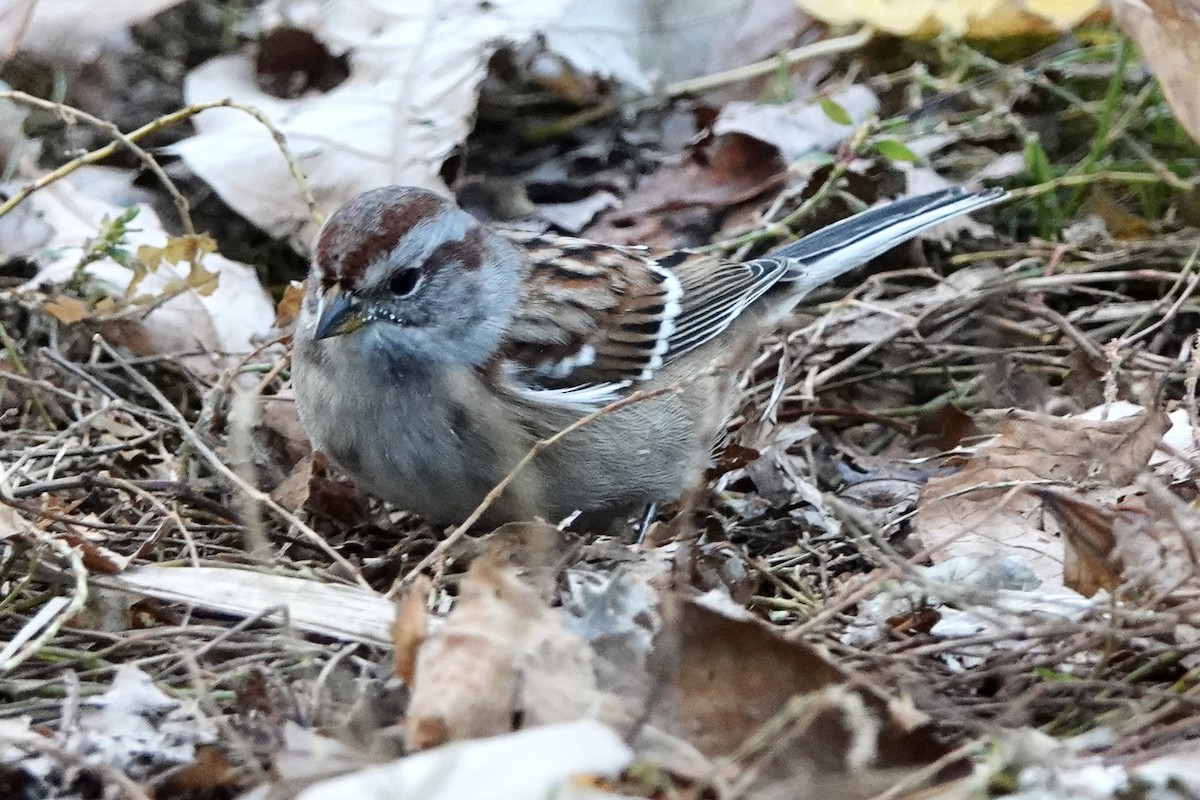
(715, 292)
(591, 313)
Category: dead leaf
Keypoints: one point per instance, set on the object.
(974, 18)
(293, 491)
(731, 169)
(409, 629)
(66, 309)
(502, 655)
(289, 306)
(226, 315)
(644, 44)
(1119, 223)
(799, 128)
(1088, 540)
(136, 728)
(70, 29)
(1144, 546)
(1168, 36)
(545, 762)
(985, 507)
(796, 718)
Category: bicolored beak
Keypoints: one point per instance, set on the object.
(336, 314)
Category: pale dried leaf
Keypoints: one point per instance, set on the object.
(502, 649)
(415, 70)
(800, 127)
(66, 309)
(343, 612)
(1168, 37)
(986, 508)
(645, 44)
(535, 763)
(135, 727)
(71, 30)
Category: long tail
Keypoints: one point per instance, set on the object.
(825, 254)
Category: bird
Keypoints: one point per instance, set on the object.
(433, 351)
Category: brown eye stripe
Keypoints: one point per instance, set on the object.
(467, 251)
(367, 227)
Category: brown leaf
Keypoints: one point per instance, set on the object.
(204, 281)
(1145, 546)
(503, 654)
(1117, 221)
(1168, 36)
(982, 509)
(408, 631)
(732, 169)
(65, 309)
(289, 306)
(207, 774)
(1088, 541)
(791, 714)
(946, 426)
(292, 491)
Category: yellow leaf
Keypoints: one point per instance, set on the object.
(289, 305)
(202, 280)
(66, 310)
(974, 18)
(190, 248)
(150, 256)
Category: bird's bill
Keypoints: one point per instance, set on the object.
(336, 314)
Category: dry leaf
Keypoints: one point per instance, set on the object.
(415, 70)
(227, 314)
(66, 309)
(289, 306)
(975, 18)
(1168, 36)
(69, 29)
(794, 719)
(646, 43)
(1088, 541)
(502, 650)
(798, 128)
(551, 761)
(732, 169)
(408, 631)
(985, 508)
(1146, 547)
(1119, 223)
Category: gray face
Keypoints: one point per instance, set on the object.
(413, 278)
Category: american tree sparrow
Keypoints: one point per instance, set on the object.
(432, 352)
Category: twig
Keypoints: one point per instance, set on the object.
(10, 347)
(181, 203)
(829, 47)
(128, 140)
(221, 468)
(68, 609)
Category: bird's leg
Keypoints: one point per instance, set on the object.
(644, 524)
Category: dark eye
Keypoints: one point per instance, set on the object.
(404, 282)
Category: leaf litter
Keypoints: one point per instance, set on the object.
(947, 548)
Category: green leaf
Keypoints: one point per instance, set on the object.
(835, 112)
(894, 150)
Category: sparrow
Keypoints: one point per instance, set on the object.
(432, 352)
